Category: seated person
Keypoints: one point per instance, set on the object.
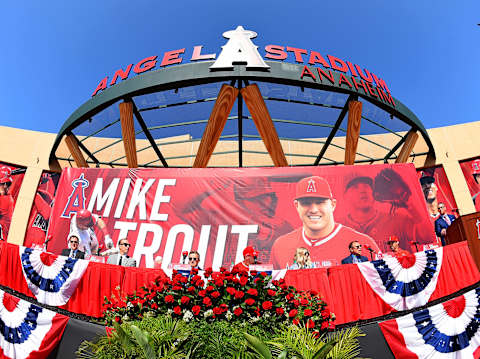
(122, 258)
(157, 263)
(301, 259)
(355, 256)
(194, 259)
(249, 257)
(73, 251)
(394, 244)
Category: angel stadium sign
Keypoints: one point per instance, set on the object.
(240, 50)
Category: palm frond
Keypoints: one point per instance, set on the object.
(348, 346)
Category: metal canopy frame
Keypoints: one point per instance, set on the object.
(180, 76)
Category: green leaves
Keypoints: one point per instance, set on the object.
(143, 339)
(167, 338)
(258, 345)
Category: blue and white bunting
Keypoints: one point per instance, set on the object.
(53, 284)
(28, 328)
(404, 288)
(433, 334)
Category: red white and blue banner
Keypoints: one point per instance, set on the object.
(406, 282)
(449, 330)
(51, 278)
(345, 289)
(28, 331)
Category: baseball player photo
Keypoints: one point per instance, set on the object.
(84, 223)
(325, 239)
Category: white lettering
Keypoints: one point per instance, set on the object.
(187, 230)
(243, 232)
(203, 242)
(122, 198)
(138, 199)
(124, 228)
(160, 198)
(107, 198)
(219, 247)
(148, 251)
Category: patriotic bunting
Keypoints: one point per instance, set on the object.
(26, 330)
(52, 279)
(404, 283)
(448, 330)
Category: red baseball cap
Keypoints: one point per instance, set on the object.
(249, 251)
(393, 239)
(84, 216)
(314, 186)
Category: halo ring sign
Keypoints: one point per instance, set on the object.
(209, 72)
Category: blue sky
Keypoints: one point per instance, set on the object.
(56, 52)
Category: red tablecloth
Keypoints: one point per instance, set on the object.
(343, 287)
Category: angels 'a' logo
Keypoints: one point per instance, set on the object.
(311, 186)
(239, 50)
(76, 200)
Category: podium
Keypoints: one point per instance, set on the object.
(466, 228)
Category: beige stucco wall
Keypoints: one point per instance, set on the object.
(31, 149)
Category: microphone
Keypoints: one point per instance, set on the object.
(109, 252)
(371, 252)
(255, 255)
(184, 254)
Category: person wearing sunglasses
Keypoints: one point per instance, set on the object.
(194, 259)
(121, 258)
(355, 256)
(73, 251)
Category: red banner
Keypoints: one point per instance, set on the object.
(218, 212)
(471, 171)
(11, 179)
(41, 210)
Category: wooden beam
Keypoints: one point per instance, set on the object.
(72, 144)
(258, 109)
(407, 148)
(353, 131)
(335, 128)
(430, 160)
(218, 117)
(128, 133)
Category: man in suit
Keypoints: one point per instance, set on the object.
(443, 222)
(355, 256)
(194, 259)
(73, 251)
(122, 258)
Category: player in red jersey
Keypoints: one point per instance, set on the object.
(249, 255)
(6, 201)
(476, 177)
(363, 216)
(324, 239)
(84, 223)
(40, 214)
(396, 251)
